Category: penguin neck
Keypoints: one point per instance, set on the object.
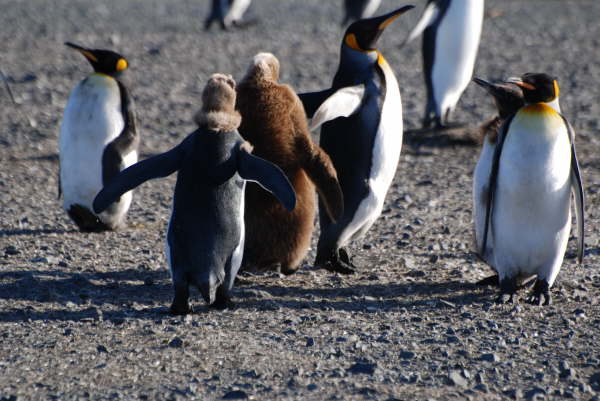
(103, 75)
(353, 63)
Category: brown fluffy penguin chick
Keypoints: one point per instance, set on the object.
(274, 122)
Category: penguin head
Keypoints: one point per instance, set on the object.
(507, 96)
(537, 87)
(263, 68)
(103, 61)
(363, 34)
(218, 105)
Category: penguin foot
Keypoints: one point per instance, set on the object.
(508, 291)
(493, 281)
(180, 305)
(86, 220)
(222, 299)
(541, 294)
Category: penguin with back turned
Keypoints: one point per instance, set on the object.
(274, 121)
(508, 98)
(451, 33)
(361, 118)
(534, 171)
(98, 139)
(205, 239)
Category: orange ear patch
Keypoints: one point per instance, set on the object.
(352, 43)
(121, 64)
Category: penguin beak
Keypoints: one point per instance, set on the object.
(86, 52)
(519, 82)
(483, 83)
(364, 34)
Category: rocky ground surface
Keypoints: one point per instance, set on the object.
(85, 315)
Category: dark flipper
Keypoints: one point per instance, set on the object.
(127, 141)
(312, 100)
(577, 189)
(154, 167)
(492, 184)
(267, 175)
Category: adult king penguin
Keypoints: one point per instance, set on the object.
(98, 139)
(359, 9)
(452, 29)
(205, 239)
(362, 132)
(227, 12)
(534, 170)
(508, 98)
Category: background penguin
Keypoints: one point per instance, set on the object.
(359, 9)
(364, 146)
(274, 121)
(508, 98)
(452, 29)
(534, 171)
(98, 139)
(205, 238)
(226, 12)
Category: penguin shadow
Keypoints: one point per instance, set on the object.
(443, 137)
(66, 296)
(36, 231)
(422, 296)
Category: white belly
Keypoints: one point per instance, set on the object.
(386, 154)
(457, 41)
(532, 220)
(92, 119)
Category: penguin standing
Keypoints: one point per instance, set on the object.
(359, 9)
(452, 29)
(363, 138)
(205, 238)
(509, 99)
(227, 12)
(534, 170)
(274, 121)
(98, 139)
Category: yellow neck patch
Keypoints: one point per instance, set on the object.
(381, 60)
(556, 90)
(540, 109)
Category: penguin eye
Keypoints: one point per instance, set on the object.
(121, 64)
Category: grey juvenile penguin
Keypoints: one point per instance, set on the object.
(205, 239)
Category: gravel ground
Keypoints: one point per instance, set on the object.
(85, 315)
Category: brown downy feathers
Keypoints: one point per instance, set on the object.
(218, 105)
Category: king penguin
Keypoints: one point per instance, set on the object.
(98, 139)
(452, 30)
(361, 118)
(359, 9)
(527, 217)
(205, 238)
(508, 98)
(227, 12)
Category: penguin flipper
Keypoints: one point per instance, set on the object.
(427, 18)
(343, 103)
(492, 182)
(127, 141)
(312, 100)
(578, 194)
(319, 168)
(267, 175)
(157, 166)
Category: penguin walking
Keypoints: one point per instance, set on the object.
(361, 118)
(527, 216)
(98, 139)
(359, 9)
(227, 12)
(451, 33)
(205, 238)
(274, 121)
(508, 98)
